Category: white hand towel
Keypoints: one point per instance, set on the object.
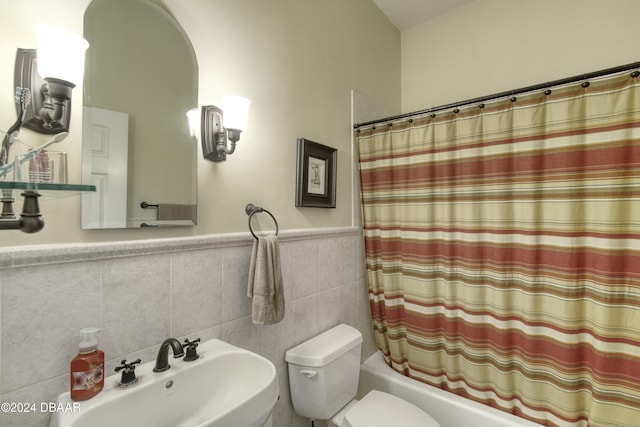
(265, 281)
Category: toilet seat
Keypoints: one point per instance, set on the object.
(379, 409)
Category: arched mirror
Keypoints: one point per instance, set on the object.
(140, 82)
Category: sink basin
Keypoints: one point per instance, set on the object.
(226, 386)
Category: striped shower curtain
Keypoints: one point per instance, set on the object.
(503, 251)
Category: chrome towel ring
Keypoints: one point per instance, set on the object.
(251, 210)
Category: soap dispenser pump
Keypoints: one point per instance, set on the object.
(87, 368)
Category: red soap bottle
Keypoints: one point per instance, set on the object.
(87, 368)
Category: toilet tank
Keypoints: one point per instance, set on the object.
(324, 372)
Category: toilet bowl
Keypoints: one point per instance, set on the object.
(323, 382)
(380, 409)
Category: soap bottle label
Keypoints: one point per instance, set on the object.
(90, 379)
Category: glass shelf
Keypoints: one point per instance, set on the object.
(48, 190)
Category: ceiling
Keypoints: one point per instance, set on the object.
(407, 13)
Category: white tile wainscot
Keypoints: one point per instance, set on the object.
(140, 292)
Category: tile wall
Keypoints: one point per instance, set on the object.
(140, 293)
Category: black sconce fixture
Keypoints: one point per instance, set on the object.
(214, 133)
(43, 105)
(51, 71)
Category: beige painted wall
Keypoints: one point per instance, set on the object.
(491, 46)
(297, 60)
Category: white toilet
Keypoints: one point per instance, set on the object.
(323, 379)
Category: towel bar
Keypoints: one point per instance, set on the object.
(251, 210)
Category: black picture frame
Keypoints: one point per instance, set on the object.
(316, 174)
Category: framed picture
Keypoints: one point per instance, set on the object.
(316, 175)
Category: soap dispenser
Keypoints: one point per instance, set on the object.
(87, 368)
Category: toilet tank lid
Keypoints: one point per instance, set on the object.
(326, 347)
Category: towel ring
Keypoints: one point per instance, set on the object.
(251, 210)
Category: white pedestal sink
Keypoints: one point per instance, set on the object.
(226, 386)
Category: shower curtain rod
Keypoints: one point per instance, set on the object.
(547, 85)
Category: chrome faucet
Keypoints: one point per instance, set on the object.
(162, 360)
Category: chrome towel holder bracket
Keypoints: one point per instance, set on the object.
(251, 210)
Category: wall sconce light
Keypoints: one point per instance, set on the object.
(50, 71)
(214, 132)
(43, 105)
(192, 121)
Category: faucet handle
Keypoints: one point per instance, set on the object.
(191, 346)
(127, 365)
(128, 372)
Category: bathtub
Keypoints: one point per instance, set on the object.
(449, 409)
